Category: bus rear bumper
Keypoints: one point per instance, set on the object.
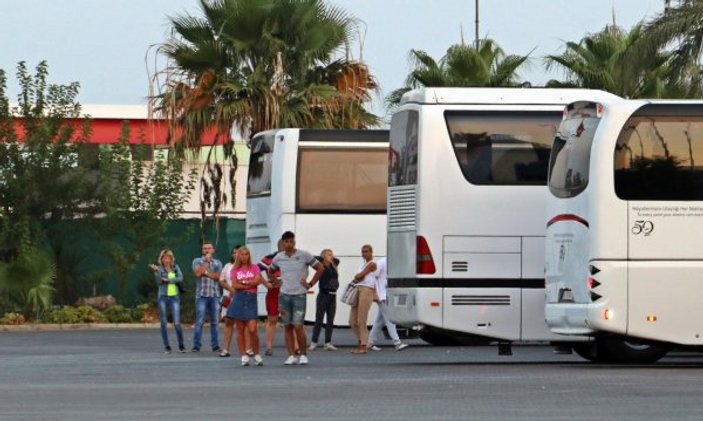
(568, 319)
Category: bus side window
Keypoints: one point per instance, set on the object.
(658, 158)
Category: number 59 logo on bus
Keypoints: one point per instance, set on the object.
(643, 227)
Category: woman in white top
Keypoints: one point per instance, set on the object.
(225, 281)
(365, 279)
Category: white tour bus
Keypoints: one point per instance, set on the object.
(624, 249)
(328, 187)
(466, 211)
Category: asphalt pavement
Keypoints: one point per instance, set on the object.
(124, 375)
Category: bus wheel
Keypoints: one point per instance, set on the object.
(620, 350)
(438, 339)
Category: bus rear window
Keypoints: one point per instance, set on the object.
(342, 180)
(402, 155)
(260, 160)
(502, 148)
(571, 151)
(660, 157)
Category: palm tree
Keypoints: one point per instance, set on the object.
(606, 60)
(261, 64)
(484, 64)
(682, 27)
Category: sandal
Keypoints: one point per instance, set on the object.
(224, 354)
(359, 350)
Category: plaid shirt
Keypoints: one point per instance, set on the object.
(207, 287)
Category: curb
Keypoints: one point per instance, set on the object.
(45, 327)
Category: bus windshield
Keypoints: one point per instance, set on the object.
(259, 179)
(571, 152)
(505, 148)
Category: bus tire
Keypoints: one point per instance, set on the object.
(627, 351)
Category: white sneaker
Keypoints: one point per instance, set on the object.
(330, 347)
(258, 360)
(291, 360)
(373, 348)
(250, 352)
(312, 347)
(245, 360)
(400, 346)
(303, 360)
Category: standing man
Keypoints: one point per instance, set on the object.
(207, 295)
(382, 317)
(293, 264)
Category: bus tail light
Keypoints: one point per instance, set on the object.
(608, 314)
(593, 284)
(425, 263)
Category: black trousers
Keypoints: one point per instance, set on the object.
(326, 305)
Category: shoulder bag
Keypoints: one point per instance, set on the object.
(351, 294)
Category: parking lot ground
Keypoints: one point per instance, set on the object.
(124, 375)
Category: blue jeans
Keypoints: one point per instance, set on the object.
(201, 305)
(292, 309)
(174, 303)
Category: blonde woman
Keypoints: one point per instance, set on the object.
(326, 300)
(168, 275)
(242, 311)
(365, 279)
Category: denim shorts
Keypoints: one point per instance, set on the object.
(292, 308)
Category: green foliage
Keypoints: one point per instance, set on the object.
(64, 315)
(13, 319)
(260, 64)
(606, 60)
(679, 30)
(139, 311)
(118, 314)
(8, 305)
(48, 174)
(484, 64)
(40, 176)
(28, 280)
(72, 315)
(140, 200)
(87, 314)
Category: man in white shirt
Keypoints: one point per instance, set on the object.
(382, 318)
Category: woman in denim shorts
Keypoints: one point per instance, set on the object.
(245, 277)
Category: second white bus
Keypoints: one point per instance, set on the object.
(328, 187)
(466, 211)
(624, 257)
